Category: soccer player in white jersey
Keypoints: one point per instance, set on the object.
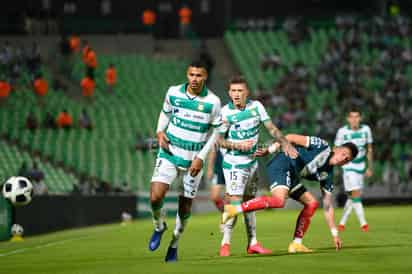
(187, 129)
(355, 171)
(239, 135)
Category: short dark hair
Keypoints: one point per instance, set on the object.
(237, 79)
(353, 149)
(198, 64)
(353, 109)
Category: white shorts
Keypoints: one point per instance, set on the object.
(166, 172)
(241, 181)
(352, 181)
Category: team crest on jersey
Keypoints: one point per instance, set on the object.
(201, 107)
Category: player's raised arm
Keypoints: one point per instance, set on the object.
(329, 213)
(285, 144)
(297, 139)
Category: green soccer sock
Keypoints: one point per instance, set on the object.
(157, 215)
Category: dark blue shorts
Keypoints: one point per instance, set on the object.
(218, 169)
(281, 173)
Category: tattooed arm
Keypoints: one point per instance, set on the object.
(330, 217)
(286, 146)
(242, 146)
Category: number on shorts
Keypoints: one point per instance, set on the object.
(233, 175)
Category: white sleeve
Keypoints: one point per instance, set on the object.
(216, 120)
(206, 148)
(167, 107)
(162, 122)
(369, 138)
(262, 112)
(339, 138)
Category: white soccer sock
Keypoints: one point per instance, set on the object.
(358, 207)
(227, 230)
(346, 211)
(250, 223)
(297, 240)
(181, 223)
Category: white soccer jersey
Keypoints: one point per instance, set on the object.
(361, 138)
(190, 120)
(239, 126)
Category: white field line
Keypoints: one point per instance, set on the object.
(59, 242)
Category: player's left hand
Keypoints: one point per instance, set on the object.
(369, 173)
(338, 242)
(196, 166)
(289, 150)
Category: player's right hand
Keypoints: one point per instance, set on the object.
(163, 140)
(338, 243)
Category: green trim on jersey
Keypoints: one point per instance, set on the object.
(243, 115)
(203, 93)
(191, 104)
(226, 165)
(186, 145)
(245, 133)
(362, 171)
(189, 125)
(176, 160)
(358, 160)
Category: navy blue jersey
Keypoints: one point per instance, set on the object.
(311, 164)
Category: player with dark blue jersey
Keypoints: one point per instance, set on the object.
(315, 162)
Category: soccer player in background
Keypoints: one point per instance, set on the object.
(239, 137)
(315, 162)
(190, 112)
(355, 171)
(215, 175)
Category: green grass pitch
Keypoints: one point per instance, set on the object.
(115, 249)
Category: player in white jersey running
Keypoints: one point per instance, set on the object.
(239, 134)
(186, 131)
(355, 171)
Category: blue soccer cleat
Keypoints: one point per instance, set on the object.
(171, 255)
(156, 238)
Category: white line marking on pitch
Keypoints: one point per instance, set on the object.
(21, 250)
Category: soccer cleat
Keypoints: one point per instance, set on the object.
(365, 228)
(298, 248)
(258, 249)
(171, 255)
(341, 228)
(230, 212)
(225, 250)
(154, 242)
